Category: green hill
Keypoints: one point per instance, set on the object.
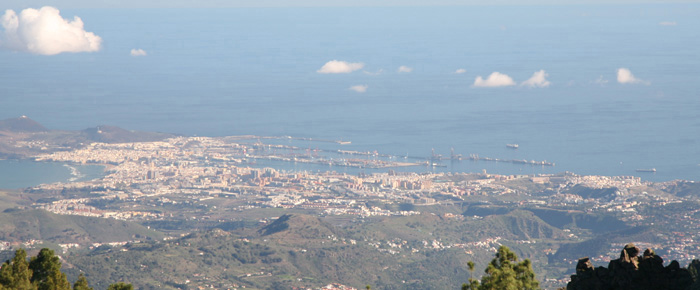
(597, 223)
(599, 245)
(295, 251)
(525, 225)
(112, 134)
(405, 252)
(21, 225)
(10, 199)
(295, 228)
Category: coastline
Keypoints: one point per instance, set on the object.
(26, 172)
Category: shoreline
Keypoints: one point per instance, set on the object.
(74, 171)
(336, 157)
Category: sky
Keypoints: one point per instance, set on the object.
(21, 4)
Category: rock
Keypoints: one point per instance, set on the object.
(632, 272)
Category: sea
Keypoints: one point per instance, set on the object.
(237, 71)
(18, 174)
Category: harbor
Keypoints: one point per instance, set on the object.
(360, 159)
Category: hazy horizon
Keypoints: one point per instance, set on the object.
(78, 4)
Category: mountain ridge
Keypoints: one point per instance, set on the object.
(21, 124)
(23, 137)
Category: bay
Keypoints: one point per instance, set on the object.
(217, 72)
(15, 174)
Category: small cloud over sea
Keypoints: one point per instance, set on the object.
(496, 79)
(538, 80)
(404, 69)
(359, 88)
(601, 81)
(138, 52)
(625, 76)
(340, 67)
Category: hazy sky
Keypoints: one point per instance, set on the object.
(19, 4)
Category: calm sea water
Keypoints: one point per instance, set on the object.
(222, 72)
(23, 173)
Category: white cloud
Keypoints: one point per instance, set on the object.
(378, 72)
(359, 88)
(601, 81)
(668, 23)
(404, 69)
(138, 52)
(340, 67)
(625, 76)
(496, 79)
(538, 80)
(45, 32)
(460, 71)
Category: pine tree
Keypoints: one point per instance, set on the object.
(43, 272)
(81, 284)
(473, 283)
(16, 274)
(506, 273)
(47, 271)
(526, 276)
(120, 286)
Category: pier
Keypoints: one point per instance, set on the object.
(312, 155)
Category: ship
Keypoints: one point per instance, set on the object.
(647, 170)
(512, 146)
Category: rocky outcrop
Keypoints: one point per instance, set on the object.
(631, 271)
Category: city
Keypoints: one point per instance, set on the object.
(213, 180)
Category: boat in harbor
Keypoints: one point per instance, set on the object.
(512, 146)
(647, 170)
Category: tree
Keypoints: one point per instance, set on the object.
(120, 286)
(473, 283)
(81, 284)
(16, 274)
(42, 272)
(47, 275)
(506, 273)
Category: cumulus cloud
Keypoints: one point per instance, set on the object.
(625, 76)
(45, 32)
(496, 79)
(538, 80)
(404, 69)
(668, 23)
(460, 71)
(359, 88)
(138, 52)
(340, 67)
